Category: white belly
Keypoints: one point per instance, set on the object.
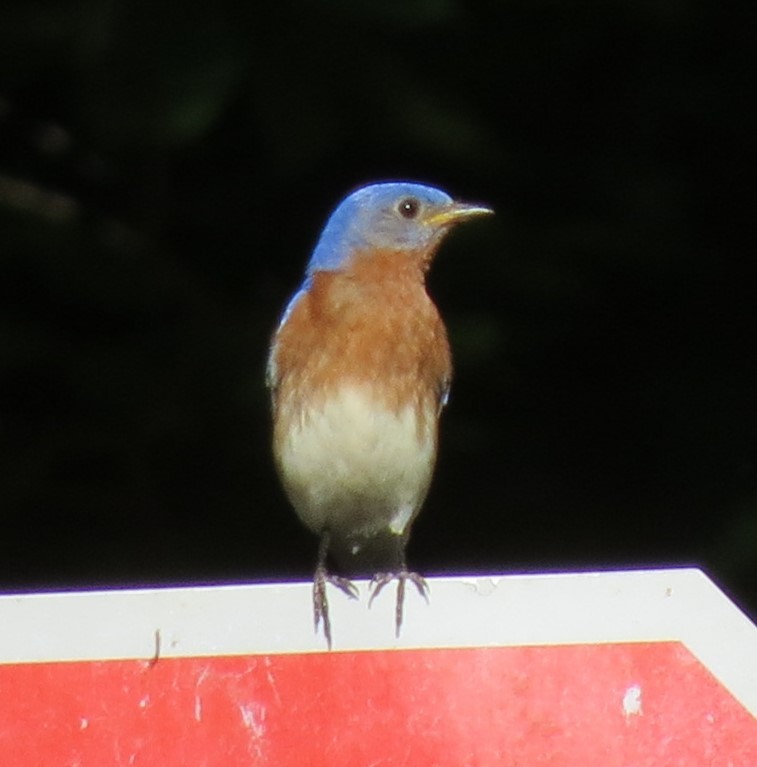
(355, 468)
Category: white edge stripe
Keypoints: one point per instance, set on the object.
(498, 610)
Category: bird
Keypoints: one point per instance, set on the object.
(359, 370)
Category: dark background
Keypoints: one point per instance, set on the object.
(165, 170)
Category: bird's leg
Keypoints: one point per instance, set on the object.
(402, 575)
(321, 578)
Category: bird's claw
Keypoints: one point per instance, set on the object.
(320, 602)
(402, 576)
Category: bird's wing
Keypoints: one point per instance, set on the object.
(271, 373)
(444, 388)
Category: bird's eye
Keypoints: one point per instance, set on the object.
(409, 207)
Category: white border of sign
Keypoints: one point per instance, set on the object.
(552, 609)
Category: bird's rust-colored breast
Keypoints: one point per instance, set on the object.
(373, 325)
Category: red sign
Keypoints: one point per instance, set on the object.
(80, 683)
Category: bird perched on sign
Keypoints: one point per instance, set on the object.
(359, 371)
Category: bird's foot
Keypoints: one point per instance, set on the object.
(402, 576)
(320, 603)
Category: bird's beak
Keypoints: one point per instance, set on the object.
(455, 213)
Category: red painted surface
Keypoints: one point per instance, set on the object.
(510, 707)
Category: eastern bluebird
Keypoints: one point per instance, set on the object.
(359, 371)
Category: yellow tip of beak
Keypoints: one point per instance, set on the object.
(457, 212)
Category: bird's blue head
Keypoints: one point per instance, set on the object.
(397, 216)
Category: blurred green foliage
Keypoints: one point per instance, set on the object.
(165, 170)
